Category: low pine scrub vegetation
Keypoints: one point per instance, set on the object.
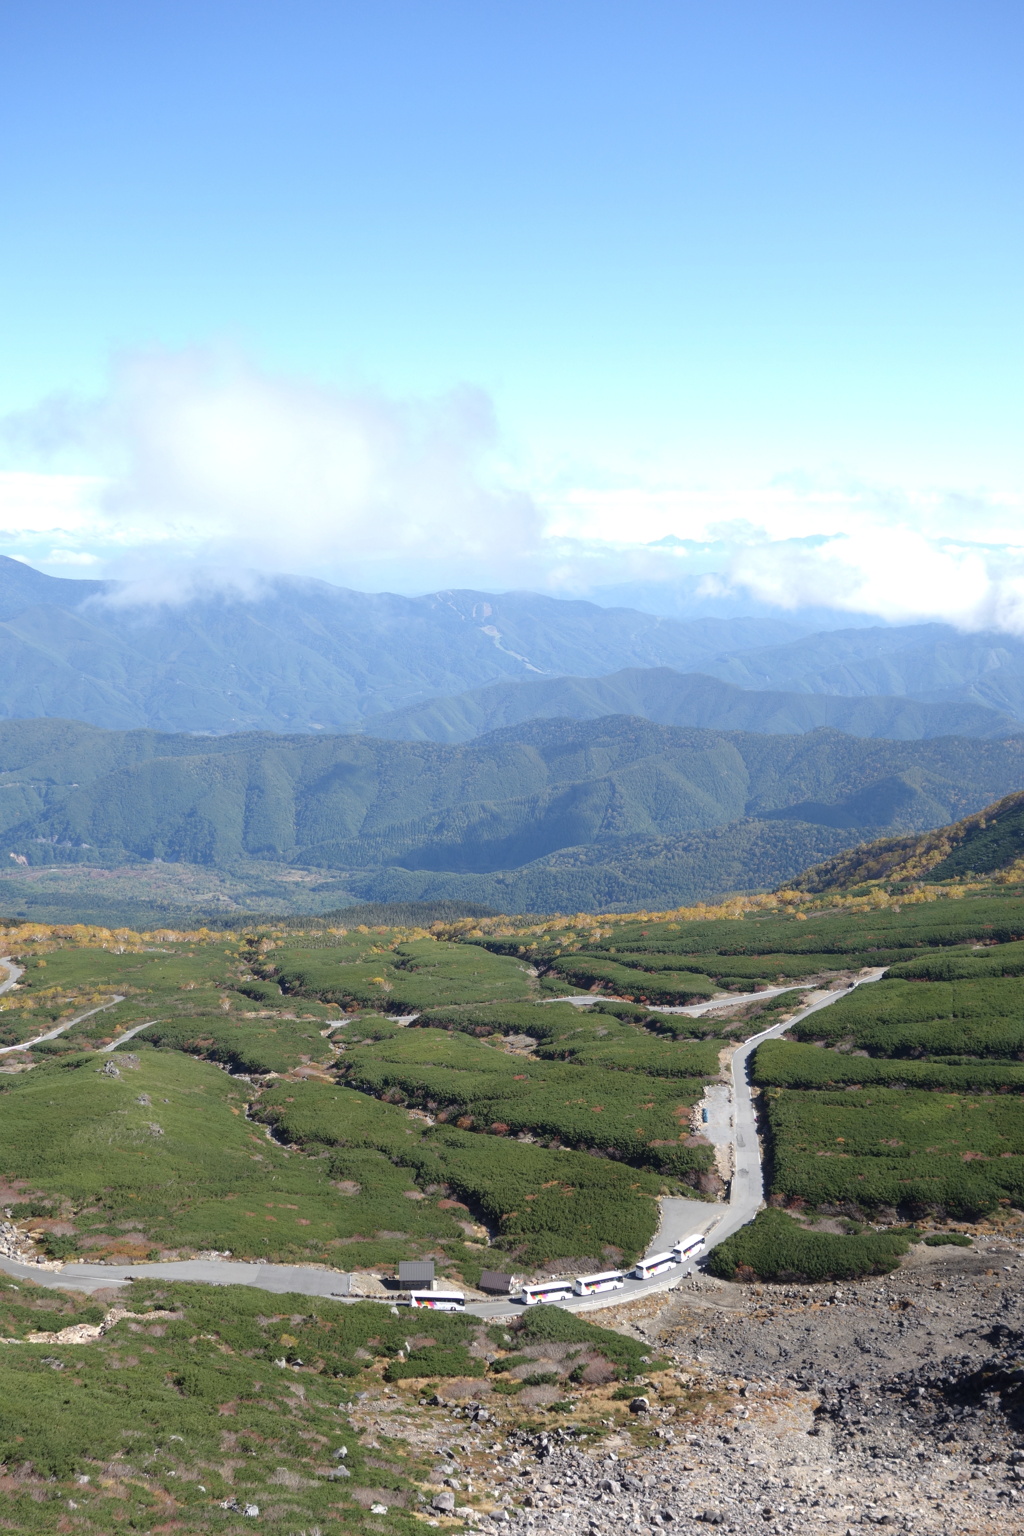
(399, 977)
(276, 1045)
(663, 986)
(126, 1423)
(632, 1116)
(775, 1247)
(603, 1034)
(126, 1162)
(911, 1097)
(934, 1019)
(539, 1205)
(898, 1149)
(781, 1064)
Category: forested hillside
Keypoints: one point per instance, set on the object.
(302, 655)
(990, 843)
(923, 661)
(618, 810)
(682, 698)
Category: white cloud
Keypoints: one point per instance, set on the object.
(212, 461)
(205, 471)
(905, 557)
(47, 503)
(895, 572)
(71, 557)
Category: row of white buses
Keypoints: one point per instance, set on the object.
(584, 1285)
(613, 1279)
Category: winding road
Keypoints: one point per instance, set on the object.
(679, 1217)
(14, 971)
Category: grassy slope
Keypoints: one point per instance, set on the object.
(127, 1158)
(209, 1396)
(135, 1177)
(237, 1395)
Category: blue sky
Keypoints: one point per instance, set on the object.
(741, 273)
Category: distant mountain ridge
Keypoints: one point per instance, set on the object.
(931, 662)
(620, 808)
(669, 697)
(304, 656)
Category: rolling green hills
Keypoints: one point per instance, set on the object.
(681, 698)
(559, 813)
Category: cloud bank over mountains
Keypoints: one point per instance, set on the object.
(199, 468)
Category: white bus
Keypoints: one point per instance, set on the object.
(547, 1290)
(655, 1265)
(440, 1301)
(589, 1285)
(689, 1247)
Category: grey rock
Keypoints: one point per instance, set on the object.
(443, 1501)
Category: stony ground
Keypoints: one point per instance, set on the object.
(809, 1409)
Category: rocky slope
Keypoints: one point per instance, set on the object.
(806, 1409)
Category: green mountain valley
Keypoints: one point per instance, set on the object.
(549, 815)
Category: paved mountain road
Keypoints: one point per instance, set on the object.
(129, 1034)
(13, 972)
(746, 1191)
(678, 1217)
(26, 1045)
(692, 1010)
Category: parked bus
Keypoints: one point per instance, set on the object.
(655, 1265)
(440, 1301)
(689, 1247)
(589, 1285)
(547, 1290)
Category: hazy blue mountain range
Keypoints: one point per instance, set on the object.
(306, 656)
(931, 662)
(610, 803)
(681, 698)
